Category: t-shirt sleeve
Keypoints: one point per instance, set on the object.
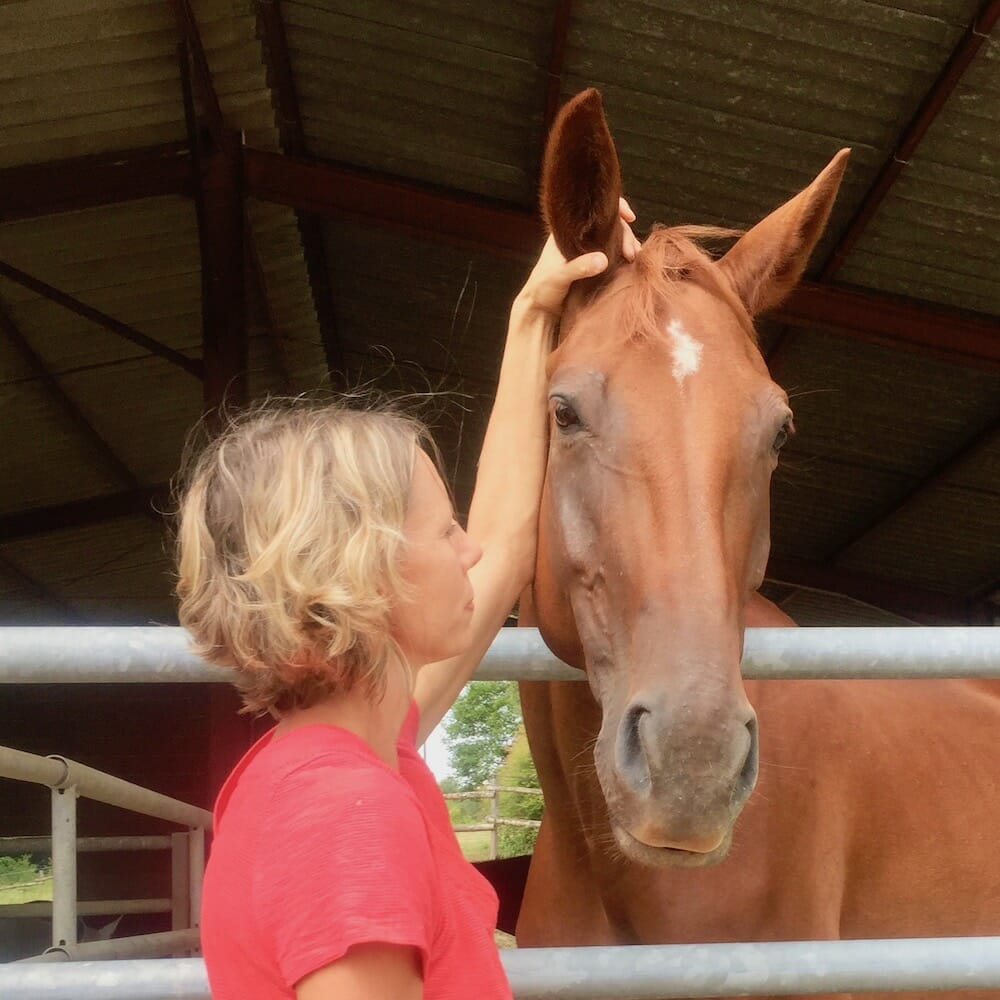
(344, 860)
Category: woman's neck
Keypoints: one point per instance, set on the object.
(377, 722)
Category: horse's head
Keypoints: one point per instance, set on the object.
(665, 430)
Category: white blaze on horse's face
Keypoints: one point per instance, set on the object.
(687, 351)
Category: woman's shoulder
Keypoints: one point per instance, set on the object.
(329, 771)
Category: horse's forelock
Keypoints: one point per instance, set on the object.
(669, 257)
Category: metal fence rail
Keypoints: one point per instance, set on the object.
(647, 972)
(68, 781)
(160, 654)
(137, 655)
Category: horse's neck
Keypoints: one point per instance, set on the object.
(762, 613)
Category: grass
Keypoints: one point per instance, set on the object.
(27, 893)
(475, 844)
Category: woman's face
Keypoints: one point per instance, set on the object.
(435, 622)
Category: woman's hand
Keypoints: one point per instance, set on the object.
(550, 279)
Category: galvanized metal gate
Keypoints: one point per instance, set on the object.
(106, 655)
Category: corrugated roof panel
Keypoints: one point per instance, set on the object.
(289, 296)
(154, 405)
(782, 86)
(425, 90)
(948, 539)
(46, 460)
(815, 503)
(135, 262)
(389, 285)
(139, 103)
(935, 237)
(846, 395)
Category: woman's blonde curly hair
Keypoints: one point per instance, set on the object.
(289, 535)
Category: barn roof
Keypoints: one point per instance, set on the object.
(378, 213)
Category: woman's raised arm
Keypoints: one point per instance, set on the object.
(503, 514)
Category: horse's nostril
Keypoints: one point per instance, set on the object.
(630, 750)
(748, 773)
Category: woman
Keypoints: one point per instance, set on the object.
(319, 557)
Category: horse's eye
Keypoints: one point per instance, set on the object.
(565, 415)
(781, 438)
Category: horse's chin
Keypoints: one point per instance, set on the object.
(668, 857)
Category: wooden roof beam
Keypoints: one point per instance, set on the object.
(277, 60)
(40, 189)
(222, 226)
(38, 591)
(878, 317)
(101, 448)
(203, 85)
(191, 365)
(112, 462)
(984, 440)
(144, 500)
(338, 191)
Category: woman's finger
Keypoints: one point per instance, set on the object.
(625, 210)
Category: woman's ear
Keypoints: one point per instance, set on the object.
(581, 181)
(766, 263)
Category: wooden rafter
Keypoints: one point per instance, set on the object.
(334, 190)
(99, 446)
(222, 232)
(909, 139)
(40, 189)
(983, 440)
(191, 365)
(38, 591)
(271, 29)
(338, 191)
(878, 317)
(217, 173)
(145, 500)
(204, 87)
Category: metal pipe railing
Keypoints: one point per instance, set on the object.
(68, 781)
(61, 773)
(158, 945)
(641, 972)
(88, 907)
(85, 845)
(144, 655)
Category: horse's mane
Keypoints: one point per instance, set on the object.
(670, 255)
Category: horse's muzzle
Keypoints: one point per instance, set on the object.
(680, 777)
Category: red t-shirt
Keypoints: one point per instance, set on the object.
(319, 845)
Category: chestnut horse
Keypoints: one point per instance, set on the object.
(877, 804)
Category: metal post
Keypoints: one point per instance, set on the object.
(494, 815)
(180, 882)
(64, 865)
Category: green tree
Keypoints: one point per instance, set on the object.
(479, 730)
(518, 771)
(17, 869)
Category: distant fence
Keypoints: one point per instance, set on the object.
(494, 821)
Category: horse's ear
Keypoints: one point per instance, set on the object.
(581, 181)
(766, 263)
